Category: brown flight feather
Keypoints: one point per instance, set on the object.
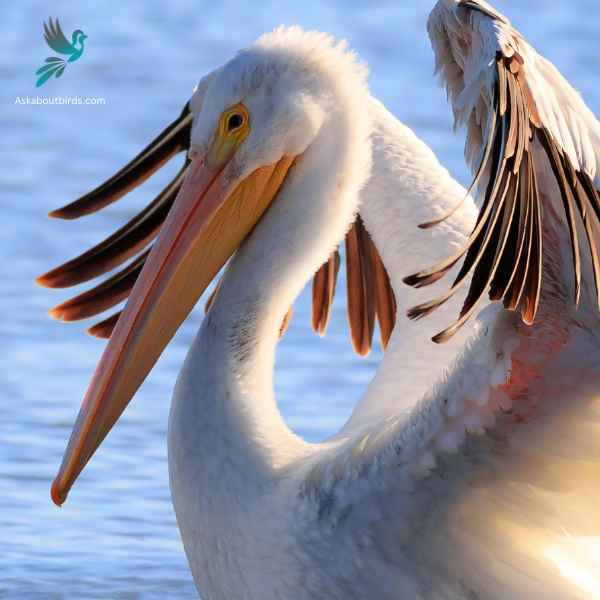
(323, 292)
(359, 279)
(385, 300)
(120, 246)
(104, 329)
(102, 297)
(175, 138)
(504, 254)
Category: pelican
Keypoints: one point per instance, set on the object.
(470, 490)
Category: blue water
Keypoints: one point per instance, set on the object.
(116, 537)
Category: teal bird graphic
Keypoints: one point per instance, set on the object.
(56, 39)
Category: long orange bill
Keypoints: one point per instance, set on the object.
(212, 215)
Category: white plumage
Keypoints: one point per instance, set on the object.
(448, 497)
(463, 485)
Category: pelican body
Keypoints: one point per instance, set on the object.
(273, 506)
(468, 488)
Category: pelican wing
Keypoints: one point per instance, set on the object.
(55, 38)
(531, 141)
(477, 492)
(370, 294)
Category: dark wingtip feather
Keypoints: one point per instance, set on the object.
(360, 288)
(105, 295)
(173, 139)
(55, 313)
(46, 281)
(504, 253)
(451, 212)
(385, 299)
(416, 313)
(444, 336)
(420, 311)
(422, 279)
(430, 224)
(53, 279)
(63, 213)
(323, 292)
(104, 329)
(133, 237)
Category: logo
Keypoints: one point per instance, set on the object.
(57, 41)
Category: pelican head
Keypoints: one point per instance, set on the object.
(289, 105)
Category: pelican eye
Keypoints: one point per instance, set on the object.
(234, 122)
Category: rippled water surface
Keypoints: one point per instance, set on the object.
(116, 538)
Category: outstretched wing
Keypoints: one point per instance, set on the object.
(55, 37)
(370, 294)
(531, 142)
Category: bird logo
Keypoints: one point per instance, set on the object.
(56, 39)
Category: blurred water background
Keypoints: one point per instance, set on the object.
(116, 538)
